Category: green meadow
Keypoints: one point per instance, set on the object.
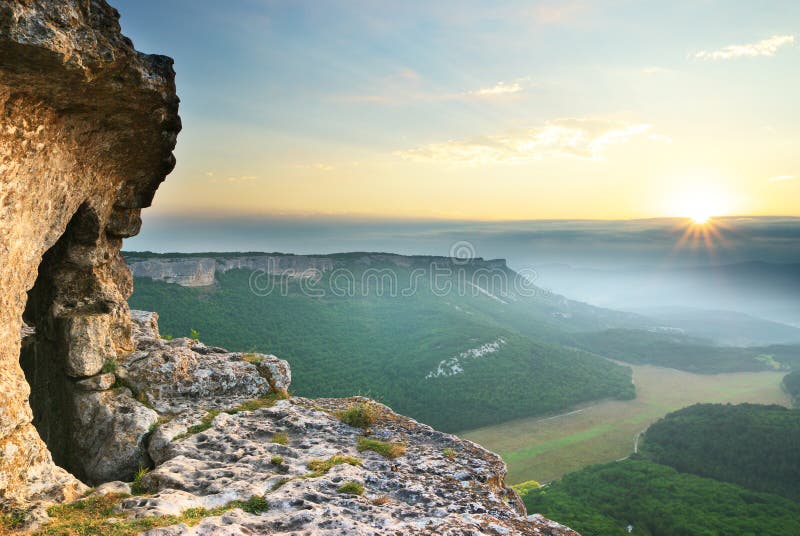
(544, 449)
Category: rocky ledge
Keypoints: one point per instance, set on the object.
(221, 433)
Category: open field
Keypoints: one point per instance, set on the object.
(544, 449)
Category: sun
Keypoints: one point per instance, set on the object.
(700, 218)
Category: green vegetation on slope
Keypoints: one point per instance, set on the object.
(791, 384)
(751, 445)
(657, 500)
(419, 352)
(679, 351)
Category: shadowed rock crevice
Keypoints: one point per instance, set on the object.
(78, 326)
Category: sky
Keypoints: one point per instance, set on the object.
(477, 111)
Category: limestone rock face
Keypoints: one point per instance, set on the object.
(87, 128)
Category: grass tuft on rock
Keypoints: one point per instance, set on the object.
(321, 467)
(280, 438)
(276, 460)
(450, 454)
(384, 448)
(254, 505)
(205, 424)
(13, 519)
(97, 516)
(109, 365)
(277, 485)
(137, 488)
(259, 403)
(254, 359)
(351, 488)
(360, 415)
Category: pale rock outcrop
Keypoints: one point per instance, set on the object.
(441, 484)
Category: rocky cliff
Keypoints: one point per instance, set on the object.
(89, 393)
(87, 128)
(199, 270)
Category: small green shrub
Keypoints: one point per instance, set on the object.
(109, 365)
(450, 454)
(360, 415)
(276, 460)
(384, 448)
(167, 337)
(194, 334)
(351, 488)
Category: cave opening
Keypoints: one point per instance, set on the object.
(64, 292)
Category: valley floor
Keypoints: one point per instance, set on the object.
(544, 449)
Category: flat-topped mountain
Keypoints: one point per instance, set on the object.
(201, 269)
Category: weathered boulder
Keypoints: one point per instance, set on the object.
(182, 374)
(87, 128)
(110, 432)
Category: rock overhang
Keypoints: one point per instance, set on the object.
(87, 129)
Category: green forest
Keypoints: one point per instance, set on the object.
(752, 445)
(709, 469)
(657, 500)
(389, 345)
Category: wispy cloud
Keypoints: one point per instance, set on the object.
(572, 138)
(782, 178)
(242, 178)
(499, 89)
(407, 85)
(765, 47)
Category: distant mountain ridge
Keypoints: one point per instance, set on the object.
(200, 269)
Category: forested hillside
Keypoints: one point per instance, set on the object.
(657, 500)
(675, 350)
(752, 445)
(708, 469)
(456, 359)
